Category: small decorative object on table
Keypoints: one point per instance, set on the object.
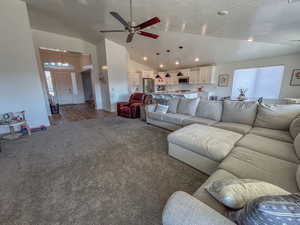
(242, 95)
(12, 120)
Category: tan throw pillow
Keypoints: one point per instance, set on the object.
(278, 117)
(235, 193)
(297, 145)
(295, 127)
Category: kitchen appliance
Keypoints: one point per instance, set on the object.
(184, 80)
(148, 85)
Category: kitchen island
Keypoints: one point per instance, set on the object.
(166, 95)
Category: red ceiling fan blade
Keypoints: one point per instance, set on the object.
(148, 23)
(154, 36)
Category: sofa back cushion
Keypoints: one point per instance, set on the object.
(188, 106)
(276, 117)
(239, 112)
(173, 105)
(298, 177)
(210, 110)
(297, 145)
(295, 127)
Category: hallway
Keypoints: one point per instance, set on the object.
(71, 113)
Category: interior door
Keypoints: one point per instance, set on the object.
(63, 87)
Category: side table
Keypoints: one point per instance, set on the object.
(143, 112)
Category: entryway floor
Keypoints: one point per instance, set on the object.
(70, 113)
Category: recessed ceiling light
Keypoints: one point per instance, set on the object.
(145, 58)
(223, 13)
(250, 39)
(197, 59)
(177, 62)
(161, 65)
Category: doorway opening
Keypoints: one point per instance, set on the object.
(68, 81)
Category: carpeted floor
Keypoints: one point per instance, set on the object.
(105, 171)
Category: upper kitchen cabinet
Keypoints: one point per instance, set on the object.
(207, 75)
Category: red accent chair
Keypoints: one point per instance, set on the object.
(131, 109)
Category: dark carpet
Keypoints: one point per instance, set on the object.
(106, 171)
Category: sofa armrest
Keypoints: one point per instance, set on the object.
(150, 108)
(184, 209)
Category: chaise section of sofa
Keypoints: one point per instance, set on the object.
(265, 152)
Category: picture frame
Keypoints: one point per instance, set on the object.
(223, 80)
(295, 78)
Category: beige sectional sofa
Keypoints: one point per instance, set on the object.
(228, 140)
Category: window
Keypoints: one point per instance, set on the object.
(49, 83)
(260, 82)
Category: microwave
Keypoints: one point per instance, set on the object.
(184, 80)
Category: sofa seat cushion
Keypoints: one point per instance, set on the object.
(274, 134)
(209, 142)
(198, 120)
(208, 199)
(155, 115)
(248, 164)
(271, 147)
(235, 127)
(174, 118)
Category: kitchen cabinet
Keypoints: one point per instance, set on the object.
(195, 75)
(207, 75)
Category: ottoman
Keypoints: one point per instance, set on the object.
(202, 147)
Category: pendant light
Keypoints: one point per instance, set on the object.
(157, 75)
(168, 75)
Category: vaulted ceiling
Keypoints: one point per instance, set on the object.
(193, 24)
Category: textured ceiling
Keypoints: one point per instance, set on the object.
(191, 23)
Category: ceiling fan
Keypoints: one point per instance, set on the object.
(131, 28)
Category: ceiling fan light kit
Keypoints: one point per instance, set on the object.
(131, 28)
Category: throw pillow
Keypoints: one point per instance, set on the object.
(295, 127)
(188, 106)
(235, 193)
(269, 210)
(173, 104)
(297, 145)
(161, 108)
(210, 110)
(239, 112)
(276, 117)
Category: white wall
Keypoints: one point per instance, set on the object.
(117, 62)
(20, 84)
(290, 63)
(57, 41)
(134, 67)
(101, 52)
